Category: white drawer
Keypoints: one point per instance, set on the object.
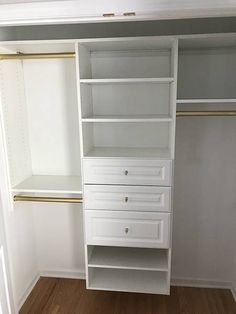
(129, 171)
(133, 229)
(132, 198)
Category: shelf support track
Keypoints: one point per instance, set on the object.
(214, 113)
(26, 198)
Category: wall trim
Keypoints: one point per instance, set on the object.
(63, 273)
(27, 291)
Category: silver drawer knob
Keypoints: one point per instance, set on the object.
(126, 172)
(126, 230)
(126, 199)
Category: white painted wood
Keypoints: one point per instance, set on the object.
(134, 229)
(127, 80)
(129, 258)
(50, 184)
(129, 152)
(206, 101)
(62, 12)
(5, 307)
(129, 172)
(128, 198)
(15, 122)
(128, 280)
(129, 118)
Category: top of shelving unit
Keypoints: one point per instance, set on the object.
(129, 43)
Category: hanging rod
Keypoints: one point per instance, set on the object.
(26, 198)
(215, 113)
(49, 55)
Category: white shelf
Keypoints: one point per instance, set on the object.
(129, 258)
(146, 152)
(206, 101)
(128, 80)
(128, 280)
(50, 184)
(128, 118)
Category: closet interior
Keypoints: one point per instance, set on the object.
(94, 121)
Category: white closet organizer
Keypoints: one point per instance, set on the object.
(97, 119)
(128, 109)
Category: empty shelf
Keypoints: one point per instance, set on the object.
(129, 258)
(128, 80)
(129, 118)
(50, 184)
(162, 153)
(128, 280)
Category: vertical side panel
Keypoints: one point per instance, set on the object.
(15, 120)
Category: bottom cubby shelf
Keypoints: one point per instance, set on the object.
(142, 281)
(128, 258)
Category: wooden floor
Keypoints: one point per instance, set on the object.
(68, 296)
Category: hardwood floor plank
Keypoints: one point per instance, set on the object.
(70, 296)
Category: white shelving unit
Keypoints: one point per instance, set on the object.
(128, 109)
(127, 91)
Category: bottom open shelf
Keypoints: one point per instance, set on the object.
(142, 281)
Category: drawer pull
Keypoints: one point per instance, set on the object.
(126, 199)
(126, 172)
(126, 230)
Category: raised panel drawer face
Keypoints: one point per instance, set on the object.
(131, 198)
(130, 172)
(132, 229)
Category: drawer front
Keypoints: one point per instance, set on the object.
(130, 198)
(132, 172)
(132, 229)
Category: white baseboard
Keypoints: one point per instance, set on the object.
(63, 273)
(27, 291)
(200, 283)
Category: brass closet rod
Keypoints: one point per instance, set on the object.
(26, 198)
(48, 55)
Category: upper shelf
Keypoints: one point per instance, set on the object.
(128, 80)
(206, 101)
(128, 118)
(50, 184)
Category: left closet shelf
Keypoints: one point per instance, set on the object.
(40, 118)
